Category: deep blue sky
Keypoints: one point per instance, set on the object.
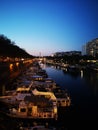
(48, 26)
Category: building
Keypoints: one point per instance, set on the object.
(92, 47)
(69, 53)
(84, 50)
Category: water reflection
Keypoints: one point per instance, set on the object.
(81, 73)
(92, 80)
(83, 91)
(83, 83)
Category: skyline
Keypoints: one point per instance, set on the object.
(49, 26)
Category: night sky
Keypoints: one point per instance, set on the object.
(48, 26)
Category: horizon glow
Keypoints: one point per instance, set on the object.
(49, 26)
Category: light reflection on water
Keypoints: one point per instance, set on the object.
(89, 80)
(83, 90)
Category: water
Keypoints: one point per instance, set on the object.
(83, 90)
(84, 94)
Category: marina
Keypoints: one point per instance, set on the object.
(61, 99)
(35, 97)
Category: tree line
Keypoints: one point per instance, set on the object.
(8, 48)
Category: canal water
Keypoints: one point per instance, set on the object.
(83, 90)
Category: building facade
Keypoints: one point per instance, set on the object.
(92, 47)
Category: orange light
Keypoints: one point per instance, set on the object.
(17, 64)
(11, 66)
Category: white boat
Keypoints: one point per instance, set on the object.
(29, 102)
(15, 96)
(35, 107)
(63, 99)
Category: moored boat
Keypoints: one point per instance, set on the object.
(37, 98)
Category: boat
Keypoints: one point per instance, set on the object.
(37, 98)
(34, 107)
(36, 126)
(63, 99)
(15, 96)
(73, 70)
(40, 127)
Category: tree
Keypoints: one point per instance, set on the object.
(9, 49)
